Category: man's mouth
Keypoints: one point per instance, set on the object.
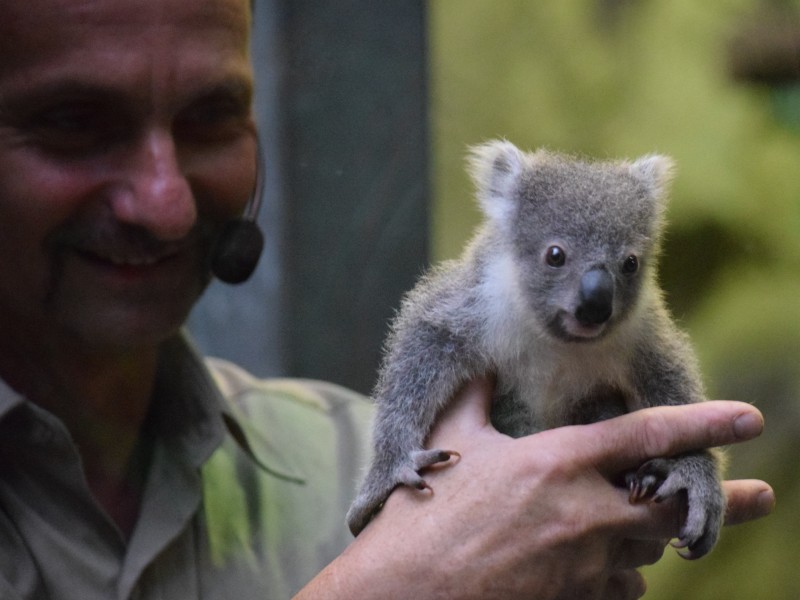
(126, 255)
(127, 259)
(129, 262)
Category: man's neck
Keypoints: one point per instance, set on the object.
(102, 397)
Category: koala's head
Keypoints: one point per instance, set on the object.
(583, 235)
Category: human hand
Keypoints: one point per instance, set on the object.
(610, 538)
(538, 517)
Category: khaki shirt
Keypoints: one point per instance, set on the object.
(213, 523)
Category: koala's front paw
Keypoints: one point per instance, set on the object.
(382, 479)
(696, 476)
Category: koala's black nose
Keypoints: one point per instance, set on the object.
(596, 297)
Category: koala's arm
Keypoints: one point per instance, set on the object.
(427, 361)
(664, 366)
(666, 373)
(425, 366)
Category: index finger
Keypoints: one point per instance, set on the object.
(628, 440)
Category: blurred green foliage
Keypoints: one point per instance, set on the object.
(613, 78)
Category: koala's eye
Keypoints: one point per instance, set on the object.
(555, 256)
(631, 265)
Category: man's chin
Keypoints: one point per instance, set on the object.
(119, 328)
(123, 308)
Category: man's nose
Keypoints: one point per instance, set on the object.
(153, 192)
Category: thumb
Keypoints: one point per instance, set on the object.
(466, 414)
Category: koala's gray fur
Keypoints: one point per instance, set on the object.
(570, 341)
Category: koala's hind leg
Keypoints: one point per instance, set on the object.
(380, 482)
(696, 476)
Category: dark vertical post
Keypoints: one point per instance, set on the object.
(356, 179)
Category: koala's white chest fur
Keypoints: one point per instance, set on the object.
(551, 376)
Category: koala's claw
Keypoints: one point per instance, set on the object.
(422, 459)
(381, 481)
(646, 481)
(695, 550)
(408, 474)
(642, 490)
(691, 476)
(697, 546)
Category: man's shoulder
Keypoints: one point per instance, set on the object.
(244, 390)
(287, 473)
(297, 425)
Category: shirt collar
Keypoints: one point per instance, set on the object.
(189, 412)
(191, 406)
(9, 399)
(187, 405)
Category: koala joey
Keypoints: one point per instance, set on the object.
(557, 296)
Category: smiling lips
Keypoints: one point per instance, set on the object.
(134, 261)
(129, 259)
(133, 253)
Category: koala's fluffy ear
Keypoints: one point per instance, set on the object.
(495, 167)
(655, 172)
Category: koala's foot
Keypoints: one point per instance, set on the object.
(381, 480)
(408, 473)
(696, 476)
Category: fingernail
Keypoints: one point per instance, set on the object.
(748, 426)
(766, 501)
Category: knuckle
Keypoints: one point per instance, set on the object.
(655, 435)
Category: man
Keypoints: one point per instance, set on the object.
(130, 468)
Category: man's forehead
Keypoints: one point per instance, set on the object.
(33, 10)
(74, 35)
(35, 21)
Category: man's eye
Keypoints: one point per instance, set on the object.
(64, 119)
(212, 119)
(213, 112)
(72, 119)
(74, 129)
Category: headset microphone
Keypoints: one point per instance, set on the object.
(239, 245)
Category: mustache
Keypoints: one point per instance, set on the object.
(110, 239)
(124, 243)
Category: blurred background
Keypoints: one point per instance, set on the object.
(367, 110)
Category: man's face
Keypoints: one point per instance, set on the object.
(126, 140)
